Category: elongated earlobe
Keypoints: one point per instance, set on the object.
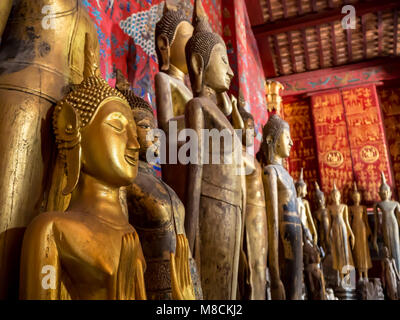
(164, 47)
(197, 64)
(66, 124)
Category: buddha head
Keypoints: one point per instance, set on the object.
(319, 196)
(335, 194)
(301, 186)
(249, 132)
(355, 195)
(172, 33)
(384, 190)
(206, 56)
(276, 142)
(143, 116)
(96, 134)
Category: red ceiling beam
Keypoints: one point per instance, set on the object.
(380, 33)
(364, 32)
(395, 31)
(349, 47)
(278, 54)
(291, 51)
(305, 45)
(321, 54)
(333, 38)
(325, 16)
(266, 57)
(254, 10)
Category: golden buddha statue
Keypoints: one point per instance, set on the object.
(214, 203)
(155, 210)
(284, 224)
(322, 219)
(304, 210)
(38, 60)
(172, 33)
(389, 223)
(91, 250)
(313, 276)
(340, 232)
(255, 224)
(361, 230)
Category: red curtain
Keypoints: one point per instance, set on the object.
(390, 102)
(303, 153)
(351, 140)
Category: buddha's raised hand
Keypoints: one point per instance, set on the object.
(182, 285)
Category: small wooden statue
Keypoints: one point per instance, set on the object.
(322, 218)
(340, 232)
(154, 209)
(389, 225)
(285, 234)
(390, 276)
(255, 235)
(361, 229)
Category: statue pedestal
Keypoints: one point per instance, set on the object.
(370, 289)
(345, 294)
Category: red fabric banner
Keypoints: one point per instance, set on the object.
(367, 141)
(390, 103)
(333, 147)
(303, 153)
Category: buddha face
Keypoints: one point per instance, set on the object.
(356, 197)
(284, 144)
(218, 73)
(320, 200)
(249, 132)
(336, 196)
(145, 124)
(177, 50)
(110, 147)
(385, 193)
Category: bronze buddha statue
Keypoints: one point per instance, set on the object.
(322, 219)
(340, 234)
(214, 203)
(389, 222)
(284, 224)
(91, 250)
(41, 54)
(172, 33)
(155, 210)
(361, 230)
(255, 223)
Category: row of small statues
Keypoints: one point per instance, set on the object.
(102, 225)
(342, 232)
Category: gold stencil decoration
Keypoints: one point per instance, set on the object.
(334, 158)
(369, 154)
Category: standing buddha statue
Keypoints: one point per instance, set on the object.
(322, 219)
(155, 210)
(389, 225)
(255, 223)
(361, 229)
(214, 203)
(284, 225)
(38, 61)
(339, 234)
(171, 35)
(313, 276)
(304, 209)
